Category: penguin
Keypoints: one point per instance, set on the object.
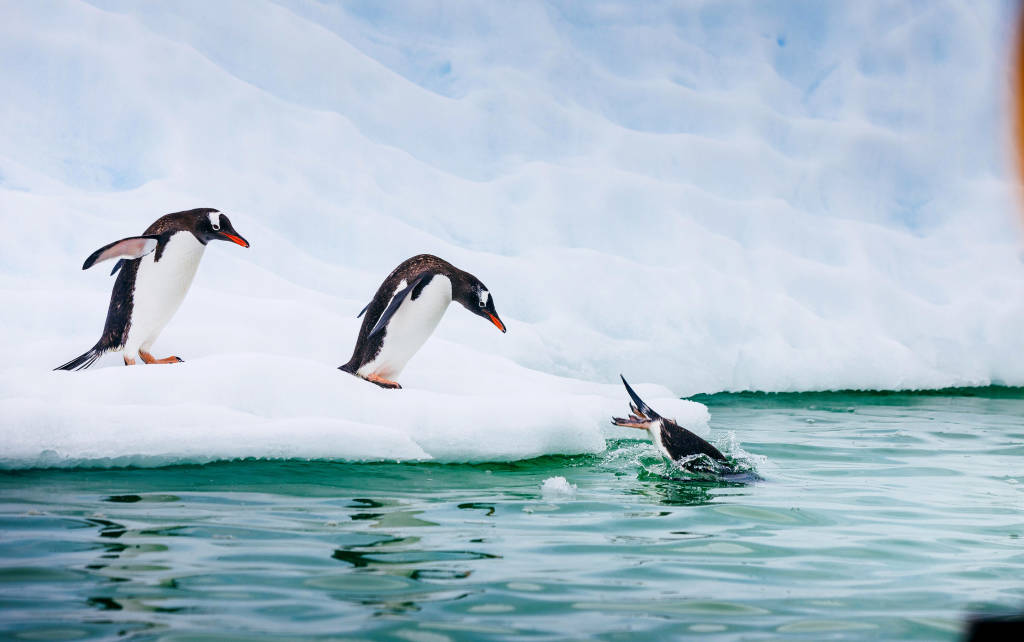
(405, 311)
(156, 270)
(672, 440)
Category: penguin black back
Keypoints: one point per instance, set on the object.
(680, 442)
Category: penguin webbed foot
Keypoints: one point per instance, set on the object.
(632, 422)
(148, 358)
(384, 383)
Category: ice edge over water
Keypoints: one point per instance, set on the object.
(249, 406)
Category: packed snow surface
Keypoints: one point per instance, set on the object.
(706, 196)
(254, 405)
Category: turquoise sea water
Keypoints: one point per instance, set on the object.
(876, 516)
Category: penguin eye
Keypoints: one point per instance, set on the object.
(482, 304)
(216, 226)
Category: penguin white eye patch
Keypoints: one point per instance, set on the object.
(484, 296)
(214, 220)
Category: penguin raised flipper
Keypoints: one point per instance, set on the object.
(672, 440)
(155, 271)
(133, 247)
(405, 311)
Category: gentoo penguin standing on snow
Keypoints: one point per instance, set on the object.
(672, 440)
(156, 272)
(405, 310)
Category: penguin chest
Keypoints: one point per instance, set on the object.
(160, 286)
(409, 327)
(655, 431)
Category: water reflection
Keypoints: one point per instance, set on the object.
(132, 499)
(395, 573)
(107, 528)
(361, 559)
(673, 486)
(489, 508)
(439, 574)
(677, 494)
(104, 603)
(111, 561)
(360, 502)
(393, 519)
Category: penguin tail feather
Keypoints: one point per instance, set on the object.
(83, 361)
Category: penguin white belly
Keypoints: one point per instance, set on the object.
(655, 432)
(160, 287)
(409, 328)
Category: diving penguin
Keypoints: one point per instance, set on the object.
(156, 272)
(405, 311)
(672, 440)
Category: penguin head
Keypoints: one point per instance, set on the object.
(474, 296)
(211, 225)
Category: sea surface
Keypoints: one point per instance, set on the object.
(860, 516)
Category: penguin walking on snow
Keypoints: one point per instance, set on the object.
(405, 311)
(156, 271)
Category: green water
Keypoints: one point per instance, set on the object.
(878, 516)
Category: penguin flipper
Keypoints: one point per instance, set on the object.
(363, 311)
(117, 266)
(396, 302)
(133, 247)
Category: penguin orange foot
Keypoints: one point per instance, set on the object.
(383, 383)
(148, 358)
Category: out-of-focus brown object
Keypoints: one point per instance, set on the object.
(1018, 92)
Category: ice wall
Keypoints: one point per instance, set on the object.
(709, 195)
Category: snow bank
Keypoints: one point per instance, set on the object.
(717, 196)
(248, 405)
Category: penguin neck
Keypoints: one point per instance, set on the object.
(462, 291)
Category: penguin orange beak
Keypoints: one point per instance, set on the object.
(236, 239)
(497, 322)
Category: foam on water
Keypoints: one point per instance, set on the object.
(750, 195)
(557, 489)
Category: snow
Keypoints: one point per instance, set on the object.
(714, 196)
